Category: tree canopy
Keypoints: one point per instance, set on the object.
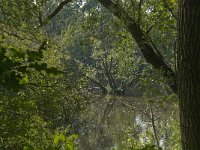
(55, 54)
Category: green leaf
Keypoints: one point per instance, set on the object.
(24, 80)
(38, 67)
(68, 147)
(35, 56)
(59, 138)
(73, 137)
(17, 53)
(53, 70)
(27, 148)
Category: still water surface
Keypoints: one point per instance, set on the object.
(122, 122)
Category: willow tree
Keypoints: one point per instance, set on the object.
(189, 72)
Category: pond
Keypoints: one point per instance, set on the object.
(119, 123)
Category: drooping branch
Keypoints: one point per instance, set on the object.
(55, 12)
(104, 90)
(108, 74)
(151, 54)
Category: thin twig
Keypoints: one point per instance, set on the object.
(154, 126)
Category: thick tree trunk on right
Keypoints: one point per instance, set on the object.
(189, 72)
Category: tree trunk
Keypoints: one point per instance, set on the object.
(189, 72)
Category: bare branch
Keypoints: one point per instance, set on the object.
(13, 34)
(104, 90)
(54, 13)
(154, 126)
(149, 30)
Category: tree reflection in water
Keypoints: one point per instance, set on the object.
(125, 122)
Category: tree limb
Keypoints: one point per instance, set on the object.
(142, 39)
(55, 12)
(104, 90)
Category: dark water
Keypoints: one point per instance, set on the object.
(123, 122)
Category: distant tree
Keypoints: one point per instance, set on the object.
(132, 20)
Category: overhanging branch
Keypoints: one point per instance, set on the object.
(151, 54)
(54, 13)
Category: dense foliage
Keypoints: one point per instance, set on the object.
(52, 58)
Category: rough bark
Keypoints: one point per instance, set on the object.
(189, 72)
